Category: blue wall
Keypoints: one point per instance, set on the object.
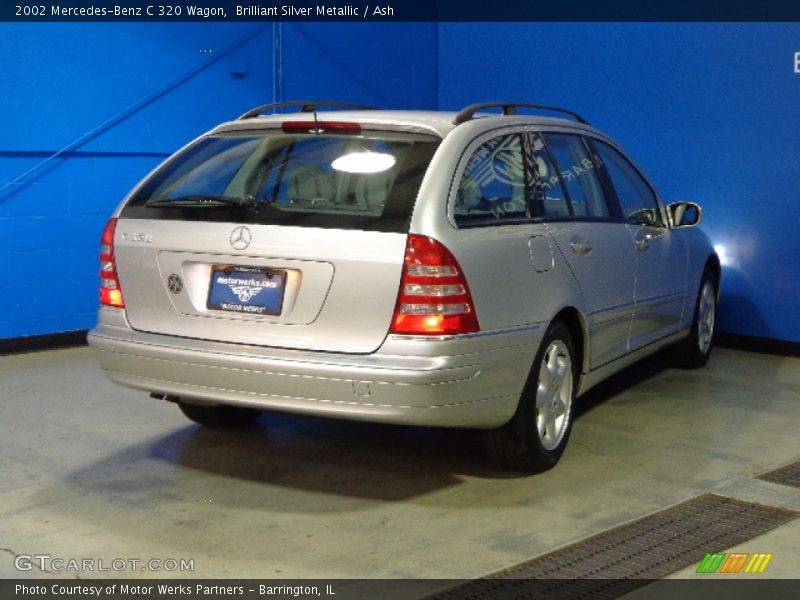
(61, 81)
(710, 112)
(140, 91)
(391, 65)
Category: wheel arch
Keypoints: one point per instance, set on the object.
(574, 322)
(715, 268)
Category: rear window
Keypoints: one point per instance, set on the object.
(367, 182)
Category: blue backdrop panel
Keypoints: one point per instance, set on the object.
(390, 65)
(119, 97)
(709, 111)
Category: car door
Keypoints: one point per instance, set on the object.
(661, 256)
(592, 237)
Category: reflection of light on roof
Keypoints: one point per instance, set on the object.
(724, 259)
(364, 162)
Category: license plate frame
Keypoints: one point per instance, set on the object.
(238, 289)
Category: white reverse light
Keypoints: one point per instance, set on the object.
(364, 162)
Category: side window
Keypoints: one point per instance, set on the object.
(493, 185)
(579, 174)
(550, 202)
(637, 199)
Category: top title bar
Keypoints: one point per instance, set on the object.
(401, 10)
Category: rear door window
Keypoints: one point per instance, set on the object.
(550, 202)
(365, 181)
(578, 173)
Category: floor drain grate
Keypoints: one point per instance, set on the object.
(619, 560)
(788, 475)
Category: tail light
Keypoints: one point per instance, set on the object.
(335, 127)
(110, 292)
(434, 298)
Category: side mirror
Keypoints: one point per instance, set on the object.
(685, 214)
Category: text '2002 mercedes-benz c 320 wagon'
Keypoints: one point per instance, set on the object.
(423, 268)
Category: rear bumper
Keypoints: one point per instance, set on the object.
(469, 381)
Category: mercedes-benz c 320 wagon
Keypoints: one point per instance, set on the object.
(424, 268)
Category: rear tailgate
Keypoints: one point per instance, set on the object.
(340, 286)
(286, 239)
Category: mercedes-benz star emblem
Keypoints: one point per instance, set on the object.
(240, 238)
(174, 283)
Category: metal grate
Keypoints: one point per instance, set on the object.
(788, 475)
(624, 558)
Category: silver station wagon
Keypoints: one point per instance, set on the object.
(477, 269)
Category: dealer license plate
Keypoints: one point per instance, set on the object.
(248, 290)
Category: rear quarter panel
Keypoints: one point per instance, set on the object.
(508, 289)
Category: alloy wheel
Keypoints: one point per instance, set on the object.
(554, 394)
(706, 314)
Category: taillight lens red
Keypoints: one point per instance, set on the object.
(434, 298)
(110, 291)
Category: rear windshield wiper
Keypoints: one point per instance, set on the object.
(201, 201)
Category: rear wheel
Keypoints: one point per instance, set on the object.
(219, 416)
(693, 352)
(536, 436)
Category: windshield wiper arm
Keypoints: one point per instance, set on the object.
(203, 201)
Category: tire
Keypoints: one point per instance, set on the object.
(693, 352)
(219, 416)
(536, 436)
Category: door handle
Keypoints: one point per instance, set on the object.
(581, 246)
(643, 239)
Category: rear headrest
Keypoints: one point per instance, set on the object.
(310, 183)
(372, 190)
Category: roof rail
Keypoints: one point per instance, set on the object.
(510, 108)
(304, 107)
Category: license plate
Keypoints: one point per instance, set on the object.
(248, 290)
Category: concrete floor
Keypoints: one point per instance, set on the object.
(92, 470)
